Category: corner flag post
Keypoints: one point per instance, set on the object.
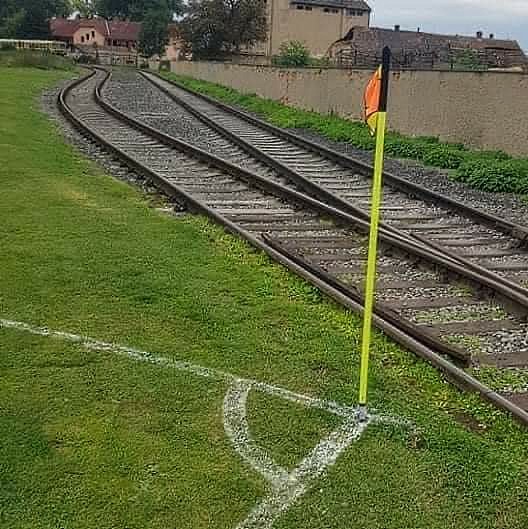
(370, 285)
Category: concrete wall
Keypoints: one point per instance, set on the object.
(483, 110)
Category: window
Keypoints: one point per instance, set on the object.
(93, 34)
(354, 13)
(330, 10)
(306, 8)
(82, 38)
(87, 36)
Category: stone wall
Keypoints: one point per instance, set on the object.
(484, 110)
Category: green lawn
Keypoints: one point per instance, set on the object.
(95, 440)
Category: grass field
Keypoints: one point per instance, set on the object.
(92, 439)
(34, 59)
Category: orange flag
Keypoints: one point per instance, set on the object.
(371, 101)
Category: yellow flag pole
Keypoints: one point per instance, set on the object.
(370, 285)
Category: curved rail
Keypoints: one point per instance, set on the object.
(514, 230)
(517, 297)
(458, 376)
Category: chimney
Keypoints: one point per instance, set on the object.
(397, 27)
(479, 34)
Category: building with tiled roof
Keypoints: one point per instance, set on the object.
(316, 23)
(416, 48)
(96, 31)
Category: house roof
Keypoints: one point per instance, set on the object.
(114, 29)
(62, 27)
(400, 39)
(360, 5)
(124, 30)
(423, 50)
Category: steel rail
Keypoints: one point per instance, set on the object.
(456, 375)
(516, 231)
(323, 194)
(511, 295)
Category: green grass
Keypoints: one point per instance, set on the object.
(33, 59)
(493, 171)
(91, 440)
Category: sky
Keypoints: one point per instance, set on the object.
(503, 18)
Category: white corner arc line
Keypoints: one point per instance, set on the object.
(286, 487)
(237, 429)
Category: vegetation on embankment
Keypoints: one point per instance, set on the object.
(91, 440)
(493, 171)
(34, 59)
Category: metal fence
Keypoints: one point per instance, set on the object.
(107, 55)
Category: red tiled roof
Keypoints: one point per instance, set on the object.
(125, 30)
(380, 37)
(116, 29)
(62, 27)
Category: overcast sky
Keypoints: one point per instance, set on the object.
(504, 18)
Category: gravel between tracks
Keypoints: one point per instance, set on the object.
(507, 205)
(113, 167)
(48, 105)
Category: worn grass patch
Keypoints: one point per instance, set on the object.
(92, 440)
(288, 431)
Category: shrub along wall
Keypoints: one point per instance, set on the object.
(493, 171)
(483, 110)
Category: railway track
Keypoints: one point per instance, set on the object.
(475, 238)
(428, 302)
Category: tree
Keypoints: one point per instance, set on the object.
(140, 8)
(11, 22)
(30, 18)
(154, 31)
(466, 60)
(293, 53)
(212, 28)
(113, 8)
(136, 9)
(86, 8)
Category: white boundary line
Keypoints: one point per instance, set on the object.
(180, 365)
(285, 486)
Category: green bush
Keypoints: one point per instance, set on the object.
(293, 53)
(492, 155)
(499, 176)
(468, 60)
(401, 147)
(444, 156)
